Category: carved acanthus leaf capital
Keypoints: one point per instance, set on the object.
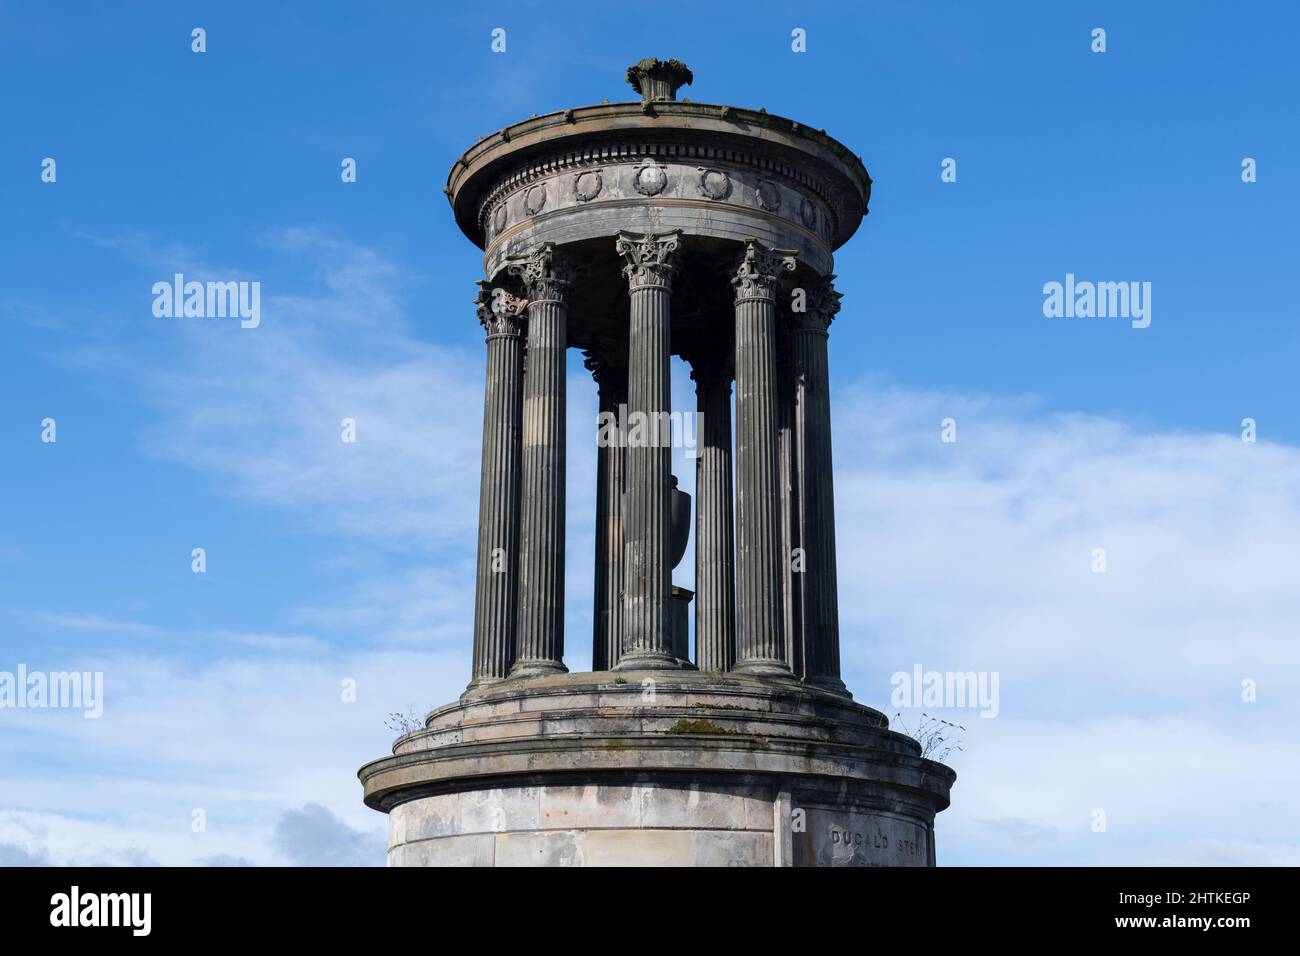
(545, 273)
(606, 373)
(499, 312)
(760, 270)
(713, 368)
(650, 257)
(821, 303)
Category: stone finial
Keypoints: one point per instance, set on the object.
(657, 80)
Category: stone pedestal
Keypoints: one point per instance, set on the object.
(671, 768)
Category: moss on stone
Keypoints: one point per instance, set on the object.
(698, 726)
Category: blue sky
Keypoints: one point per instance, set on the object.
(329, 562)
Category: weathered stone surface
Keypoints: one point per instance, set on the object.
(478, 849)
(590, 805)
(498, 810)
(542, 848)
(720, 848)
(693, 775)
(748, 174)
(640, 848)
(849, 838)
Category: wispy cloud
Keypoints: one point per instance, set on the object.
(96, 623)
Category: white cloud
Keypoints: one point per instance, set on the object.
(312, 836)
(242, 739)
(1119, 690)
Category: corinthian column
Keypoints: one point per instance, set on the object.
(647, 554)
(607, 637)
(759, 626)
(815, 488)
(787, 483)
(540, 636)
(715, 575)
(496, 593)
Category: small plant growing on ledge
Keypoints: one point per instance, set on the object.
(938, 738)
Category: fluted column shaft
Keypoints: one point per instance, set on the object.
(647, 555)
(792, 561)
(759, 626)
(540, 634)
(816, 489)
(715, 576)
(607, 637)
(496, 591)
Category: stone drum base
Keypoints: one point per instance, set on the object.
(657, 768)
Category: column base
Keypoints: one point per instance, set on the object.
(647, 661)
(763, 667)
(536, 669)
(478, 682)
(583, 770)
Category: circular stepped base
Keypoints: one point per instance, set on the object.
(657, 768)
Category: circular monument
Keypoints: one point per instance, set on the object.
(634, 232)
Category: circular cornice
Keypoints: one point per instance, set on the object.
(553, 138)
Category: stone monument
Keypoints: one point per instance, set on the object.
(636, 231)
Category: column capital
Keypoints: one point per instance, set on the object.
(603, 371)
(499, 312)
(545, 273)
(821, 303)
(712, 368)
(650, 257)
(760, 269)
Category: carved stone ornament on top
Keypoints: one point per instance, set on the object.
(658, 80)
(650, 257)
(760, 270)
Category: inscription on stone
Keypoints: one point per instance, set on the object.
(837, 838)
